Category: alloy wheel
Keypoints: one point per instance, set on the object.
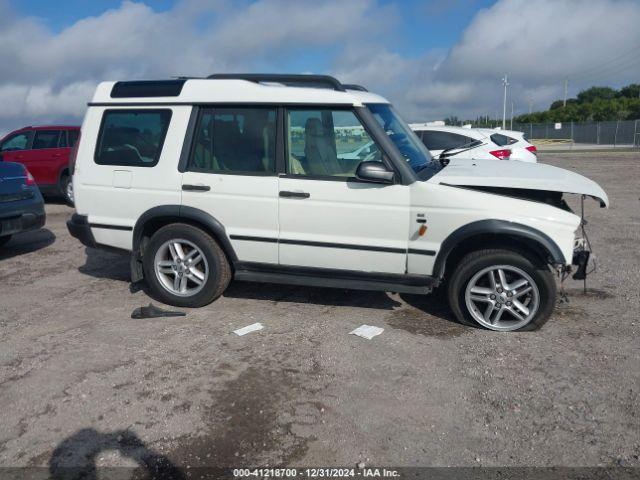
(502, 297)
(181, 267)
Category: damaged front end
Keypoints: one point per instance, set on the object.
(583, 262)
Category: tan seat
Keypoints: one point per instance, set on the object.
(319, 150)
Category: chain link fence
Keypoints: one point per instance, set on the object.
(614, 134)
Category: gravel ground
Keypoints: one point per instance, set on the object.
(81, 382)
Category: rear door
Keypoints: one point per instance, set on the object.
(327, 217)
(128, 167)
(231, 175)
(43, 157)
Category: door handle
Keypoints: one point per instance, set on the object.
(196, 188)
(286, 194)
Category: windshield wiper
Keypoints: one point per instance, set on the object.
(462, 148)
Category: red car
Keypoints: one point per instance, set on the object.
(45, 152)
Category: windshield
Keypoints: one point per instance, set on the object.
(409, 145)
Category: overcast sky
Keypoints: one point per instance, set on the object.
(432, 59)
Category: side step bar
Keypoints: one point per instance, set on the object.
(333, 278)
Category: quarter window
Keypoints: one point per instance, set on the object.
(18, 142)
(132, 137)
(46, 139)
(327, 143)
(235, 140)
(502, 140)
(436, 140)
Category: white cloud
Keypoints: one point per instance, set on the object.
(52, 74)
(49, 76)
(537, 42)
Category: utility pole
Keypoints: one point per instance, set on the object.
(511, 123)
(505, 82)
(566, 88)
(530, 106)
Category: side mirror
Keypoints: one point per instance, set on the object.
(375, 172)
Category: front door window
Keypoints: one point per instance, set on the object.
(327, 143)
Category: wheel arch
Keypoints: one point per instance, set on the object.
(496, 233)
(64, 171)
(157, 217)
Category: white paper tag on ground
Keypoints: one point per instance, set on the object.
(248, 329)
(367, 331)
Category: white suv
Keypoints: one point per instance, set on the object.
(252, 177)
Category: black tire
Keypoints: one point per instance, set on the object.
(475, 262)
(65, 181)
(4, 240)
(219, 269)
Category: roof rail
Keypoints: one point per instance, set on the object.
(353, 86)
(292, 80)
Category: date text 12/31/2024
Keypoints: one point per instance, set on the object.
(313, 473)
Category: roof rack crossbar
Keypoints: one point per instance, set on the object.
(353, 86)
(322, 81)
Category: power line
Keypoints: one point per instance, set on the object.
(633, 52)
(611, 71)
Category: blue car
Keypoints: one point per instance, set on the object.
(21, 204)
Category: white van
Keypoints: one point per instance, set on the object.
(254, 177)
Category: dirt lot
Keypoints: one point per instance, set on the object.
(80, 381)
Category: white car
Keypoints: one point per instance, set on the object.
(460, 142)
(242, 176)
(515, 141)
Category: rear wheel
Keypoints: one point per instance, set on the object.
(185, 267)
(502, 290)
(66, 189)
(4, 240)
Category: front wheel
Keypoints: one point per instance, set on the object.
(502, 290)
(185, 267)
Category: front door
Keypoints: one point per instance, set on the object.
(231, 175)
(15, 147)
(327, 217)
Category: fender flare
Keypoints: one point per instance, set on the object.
(177, 212)
(182, 212)
(500, 227)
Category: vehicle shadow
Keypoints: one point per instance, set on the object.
(315, 295)
(75, 457)
(51, 199)
(434, 304)
(103, 264)
(27, 242)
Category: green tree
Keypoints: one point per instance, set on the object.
(594, 93)
(630, 91)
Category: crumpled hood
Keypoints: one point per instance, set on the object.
(513, 174)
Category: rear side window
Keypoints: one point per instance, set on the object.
(502, 140)
(435, 140)
(73, 137)
(63, 143)
(132, 138)
(46, 139)
(235, 140)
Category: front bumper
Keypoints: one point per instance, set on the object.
(78, 226)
